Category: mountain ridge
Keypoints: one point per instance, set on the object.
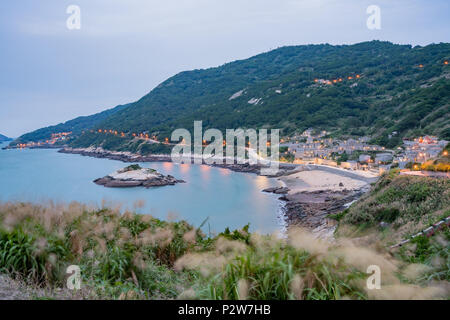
(76, 126)
(400, 88)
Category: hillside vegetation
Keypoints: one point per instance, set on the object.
(133, 256)
(76, 126)
(408, 204)
(393, 88)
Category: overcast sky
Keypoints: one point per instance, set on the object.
(50, 74)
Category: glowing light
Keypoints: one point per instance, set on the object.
(168, 165)
(224, 172)
(205, 168)
(184, 167)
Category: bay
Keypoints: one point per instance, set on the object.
(225, 198)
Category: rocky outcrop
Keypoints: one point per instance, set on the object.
(310, 210)
(135, 176)
(277, 190)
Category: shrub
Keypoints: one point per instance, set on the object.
(418, 192)
(283, 273)
(18, 255)
(388, 214)
(115, 265)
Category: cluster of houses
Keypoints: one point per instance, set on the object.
(420, 150)
(331, 81)
(310, 148)
(55, 137)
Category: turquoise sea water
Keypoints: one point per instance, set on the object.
(228, 198)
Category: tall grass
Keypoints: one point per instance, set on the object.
(285, 275)
(39, 242)
(130, 256)
(17, 255)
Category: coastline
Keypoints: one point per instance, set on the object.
(314, 193)
(229, 199)
(304, 201)
(128, 157)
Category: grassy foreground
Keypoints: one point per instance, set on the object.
(130, 256)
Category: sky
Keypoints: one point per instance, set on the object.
(124, 48)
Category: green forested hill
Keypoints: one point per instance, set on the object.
(400, 88)
(76, 126)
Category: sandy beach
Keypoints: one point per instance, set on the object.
(314, 192)
(315, 180)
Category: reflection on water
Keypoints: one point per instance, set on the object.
(228, 198)
(262, 182)
(184, 167)
(205, 172)
(224, 172)
(168, 166)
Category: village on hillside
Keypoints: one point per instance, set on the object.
(312, 147)
(357, 154)
(56, 139)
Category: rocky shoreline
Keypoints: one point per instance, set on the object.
(311, 209)
(129, 157)
(115, 155)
